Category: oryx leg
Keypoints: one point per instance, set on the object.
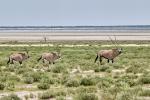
(112, 60)
(20, 62)
(100, 60)
(108, 60)
(11, 61)
(49, 62)
(53, 62)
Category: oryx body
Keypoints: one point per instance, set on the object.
(108, 54)
(50, 57)
(17, 57)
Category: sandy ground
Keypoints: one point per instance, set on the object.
(36, 36)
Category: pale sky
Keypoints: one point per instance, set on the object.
(74, 12)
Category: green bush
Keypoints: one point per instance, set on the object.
(60, 98)
(46, 95)
(10, 86)
(89, 89)
(48, 80)
(43, 86)
(3, 79)
(2, 86)
(144, 80)
(145, 93)
(103, 84)
(124, 96)
(11, 97)
(36, 76)
(28, 80)
(72, 83)
(87, 81)
(52, 94)
(58, 69)
(86, 96)
(13, 78)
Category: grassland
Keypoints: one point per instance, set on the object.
(75, 76)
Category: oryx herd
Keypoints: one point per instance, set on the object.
(110, 54)
(20, 57)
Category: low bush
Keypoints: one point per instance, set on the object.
(60, 98)
(2, 86)
(144, 80)
(28, 80)
(10, 86)
(86, 96)
(87, 81)
(13, 78)
(103, 84)
(43, 86)
(51, 94)
(145, 93)
(11, 97)
(72, 83)
(89, 89)
(57, 69)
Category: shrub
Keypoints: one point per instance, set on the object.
(46, 95)
(10, 86)
(103, 84)
(144, 80)
(145, 93)
(87, 81)
(48, 80)
(36, 76)
(28, 80)
(72, 83)
(3, 79)
(51, 94)
(13, 78)
(2, 86)
(86, 96)
(82, 89)
(57, 69)
(11, 97)
(124, 96)
(43, 86)
(60, 98)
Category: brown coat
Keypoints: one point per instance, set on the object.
(50, 57)
(17, 57)
(108, 54)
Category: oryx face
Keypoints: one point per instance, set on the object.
(25, 56)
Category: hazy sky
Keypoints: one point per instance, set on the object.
(74, 12)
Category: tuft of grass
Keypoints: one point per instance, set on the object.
(28, 80)
(144, 80)
(86, 81)
(86, 96)
(2, 86)
(145, 92)
(72, 83)
(43, 86)
(10, 97)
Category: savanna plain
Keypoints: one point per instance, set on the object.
(75, 76)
